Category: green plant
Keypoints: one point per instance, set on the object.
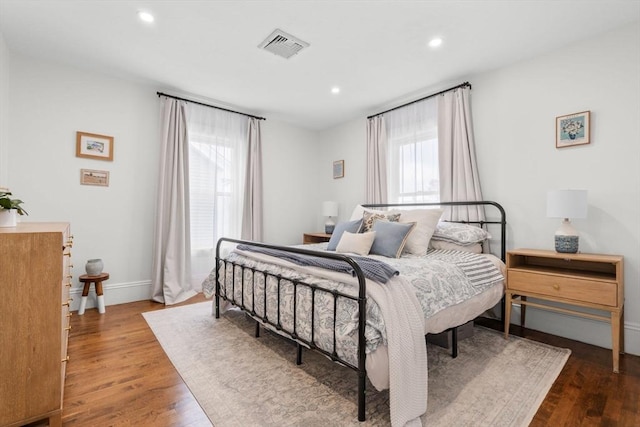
(7, 202)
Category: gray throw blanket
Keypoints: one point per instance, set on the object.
(371, 268)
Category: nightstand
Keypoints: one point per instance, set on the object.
(308, 238)
(581, 280)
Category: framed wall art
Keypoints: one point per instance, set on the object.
(94, 146)
(94, 177)
(338, 169)
(573, 129)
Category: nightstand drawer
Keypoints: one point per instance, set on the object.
(590, 291)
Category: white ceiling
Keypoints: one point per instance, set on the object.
(375, 51)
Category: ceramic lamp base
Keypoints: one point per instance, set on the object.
(567, 244)
(329, 226)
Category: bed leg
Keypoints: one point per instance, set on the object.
(299, 355)
(257, 333)
(454, 342)
(361, 395)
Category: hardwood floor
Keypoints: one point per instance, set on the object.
(118, 375)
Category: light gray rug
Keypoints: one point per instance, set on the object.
(240, 380)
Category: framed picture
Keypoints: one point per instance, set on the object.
(573, 129)
(94, 177)
(93, 146)
(338, 169)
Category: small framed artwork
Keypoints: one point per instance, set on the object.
(338, 169)
(573, 129)
(94, 177)
(93, 146)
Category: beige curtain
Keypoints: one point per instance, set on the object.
(252, 211)
(459, 179)
(171, 273)
(376, 191)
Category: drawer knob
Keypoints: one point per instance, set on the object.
(68, 328)
(66, 303)
(66, 359)
(556, 286)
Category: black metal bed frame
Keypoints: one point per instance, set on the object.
(360, 299)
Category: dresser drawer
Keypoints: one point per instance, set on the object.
(564, 287)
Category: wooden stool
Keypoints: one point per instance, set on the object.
(97, 280)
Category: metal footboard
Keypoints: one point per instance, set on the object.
(276, 323)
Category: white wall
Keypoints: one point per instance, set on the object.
(346, 142)
(290, 182)
(4, 111)
(514, 111)
(49, 103)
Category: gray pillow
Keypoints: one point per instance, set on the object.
(390, 237)
(350, 226)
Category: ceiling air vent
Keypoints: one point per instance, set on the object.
(283, 44)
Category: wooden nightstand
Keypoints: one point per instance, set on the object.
(583, 280)
(308, 238)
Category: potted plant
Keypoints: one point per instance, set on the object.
(9, 207)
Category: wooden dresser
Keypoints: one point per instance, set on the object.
(35, 278)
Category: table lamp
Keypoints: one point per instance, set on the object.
(567, 204)
(330, 210)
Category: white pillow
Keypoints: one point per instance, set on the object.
(461, 234)
(426, 221)
(356, 243)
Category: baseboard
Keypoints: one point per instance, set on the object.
(114, 293)
(578, 328)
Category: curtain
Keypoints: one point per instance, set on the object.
(376, 191)
(218, 159)
(413, 152)
(459, 179)
(171, 269)
(252, 212)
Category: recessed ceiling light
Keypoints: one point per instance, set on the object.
(145, 16)
(335, 90)
(435, 42)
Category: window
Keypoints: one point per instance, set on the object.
(413, 175)
(217, 164)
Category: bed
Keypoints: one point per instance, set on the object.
(370, 313)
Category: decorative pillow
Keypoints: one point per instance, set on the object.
(390, 237)
(359, 210)
(462, 234)
(356, 243)
(341, 227)
(369, 217)
(475, 248)
(426, 221)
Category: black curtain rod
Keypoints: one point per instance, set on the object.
(422, 99)
(208, 105)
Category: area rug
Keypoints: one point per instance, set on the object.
(243, 381)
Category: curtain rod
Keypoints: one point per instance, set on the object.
(208, 105)
(423, 98)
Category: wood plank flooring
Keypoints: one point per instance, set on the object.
(118, 375)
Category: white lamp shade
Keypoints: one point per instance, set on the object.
(567, 204)
(330, 208)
